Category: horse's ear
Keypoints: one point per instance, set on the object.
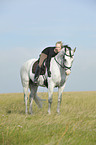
(74, 50)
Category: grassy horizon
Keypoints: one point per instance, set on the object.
(75, 125)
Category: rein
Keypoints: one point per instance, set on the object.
(64, 65)
(58, 63)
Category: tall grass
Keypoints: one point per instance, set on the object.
(75, 125)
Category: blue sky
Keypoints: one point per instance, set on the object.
(28, 26)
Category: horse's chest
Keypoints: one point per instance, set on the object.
(60, 80)
(61, 83)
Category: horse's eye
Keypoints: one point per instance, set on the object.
(65, 60)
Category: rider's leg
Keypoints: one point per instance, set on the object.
(48, 67)
(42, 58)
(37, 73)
(38, 69)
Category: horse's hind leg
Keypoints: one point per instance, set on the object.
(31, 101)
(33, 91)
(25, 90)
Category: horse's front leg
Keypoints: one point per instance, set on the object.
(50, 93)
(60, 90)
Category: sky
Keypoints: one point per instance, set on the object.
(29, 26)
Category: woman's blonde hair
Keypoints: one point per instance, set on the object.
(59, 42)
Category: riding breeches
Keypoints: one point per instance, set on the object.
(42, 58)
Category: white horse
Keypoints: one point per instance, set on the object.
(60, 67)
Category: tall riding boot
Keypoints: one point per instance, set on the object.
(37, 73)
(48, 67)
(48, 71)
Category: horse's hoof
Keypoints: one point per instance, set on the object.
(49, 112)
(30, 112)
(58, 111)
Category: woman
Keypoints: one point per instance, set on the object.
(48, 53)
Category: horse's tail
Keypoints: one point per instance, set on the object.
(39, 101)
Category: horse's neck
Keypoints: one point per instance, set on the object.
(59, 56)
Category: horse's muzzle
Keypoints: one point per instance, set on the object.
(67, 72)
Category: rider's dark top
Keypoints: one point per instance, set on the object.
(49, 51)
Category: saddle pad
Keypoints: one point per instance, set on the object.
(43, 70)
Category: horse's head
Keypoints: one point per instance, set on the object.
(65, 58)
(68, 59)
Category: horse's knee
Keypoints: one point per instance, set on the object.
(25, 98)
(60, 98)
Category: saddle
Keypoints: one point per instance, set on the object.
(43, 68)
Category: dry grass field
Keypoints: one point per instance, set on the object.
(75, 125)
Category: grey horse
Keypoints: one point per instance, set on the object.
(60, 67)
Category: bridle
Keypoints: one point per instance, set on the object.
(59, 63)
(64, 66)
